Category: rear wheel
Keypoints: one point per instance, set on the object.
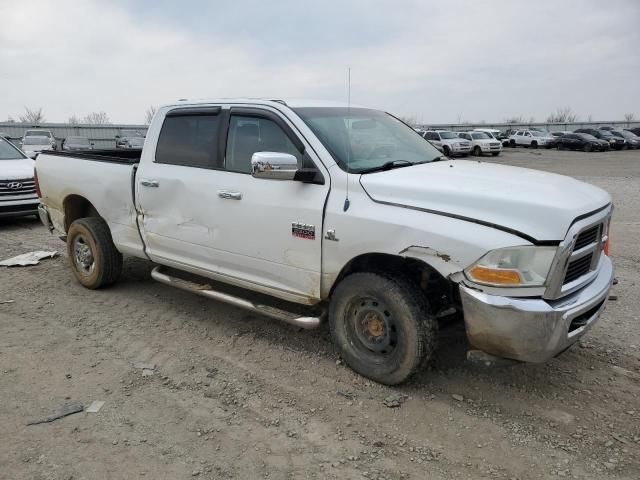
(381, 326)
(94, 259)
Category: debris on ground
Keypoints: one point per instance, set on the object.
(457, 397)
(394, 400)
(2, 302)
(27, 259)
(613, 297)
(147, 372)
(345, 394)
(66, 410)
(95, 406)
(144, 366)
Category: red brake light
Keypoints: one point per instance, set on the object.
(35, 181)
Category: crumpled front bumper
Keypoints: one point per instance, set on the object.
(533, 330)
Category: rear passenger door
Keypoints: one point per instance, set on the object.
(175, 187)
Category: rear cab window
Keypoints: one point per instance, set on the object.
(190, 137)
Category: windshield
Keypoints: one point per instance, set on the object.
(8, 151)
(480, 136)
(37, 133)
(36, 141)
(586, 136)
(366, 139)
(78, 140)
(448, 135)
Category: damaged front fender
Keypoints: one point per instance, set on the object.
(443, 262)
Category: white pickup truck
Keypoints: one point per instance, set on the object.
(307, 211)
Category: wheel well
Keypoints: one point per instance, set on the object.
(437, 288)
(76, 207)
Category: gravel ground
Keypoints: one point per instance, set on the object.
(198, 389)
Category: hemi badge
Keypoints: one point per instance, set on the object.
(303, 230)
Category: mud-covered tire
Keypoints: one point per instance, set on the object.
(94, 259)
(382, 326)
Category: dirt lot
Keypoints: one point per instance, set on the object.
(236, 395)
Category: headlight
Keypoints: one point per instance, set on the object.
(526, 266)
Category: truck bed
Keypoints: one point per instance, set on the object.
(128, 156)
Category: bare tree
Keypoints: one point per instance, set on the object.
(96, 118)
(33, 117)
(10, 119)
(629, 117)
(73, 120)
(590, 118)
(148, 115)
(562, 115)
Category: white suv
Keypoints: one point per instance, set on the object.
(449, 141)
(482, 143)
(530, 138)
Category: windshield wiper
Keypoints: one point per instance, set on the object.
(388, 166)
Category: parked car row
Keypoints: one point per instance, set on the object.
(586, 139)
(474, 142)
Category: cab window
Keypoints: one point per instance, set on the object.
(248, 135)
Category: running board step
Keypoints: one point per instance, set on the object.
(205, 290)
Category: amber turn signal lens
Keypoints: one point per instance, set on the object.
(606, 245)
(495, 276)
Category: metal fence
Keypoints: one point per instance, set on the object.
(552, 127)
(103, 136)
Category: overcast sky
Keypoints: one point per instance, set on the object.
(437, 61)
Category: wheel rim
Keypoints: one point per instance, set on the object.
(372, 326)
(82, 255)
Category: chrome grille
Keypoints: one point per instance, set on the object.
(11, 188)
(578, 268)
(586, 237)
(579, 255)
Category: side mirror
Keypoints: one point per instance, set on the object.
(117, 136)
(92, 144)
(274, 165)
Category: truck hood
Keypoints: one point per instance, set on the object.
(536, 204)
(16, 169)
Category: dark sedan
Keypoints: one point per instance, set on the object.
(635, 130)
(633, 141)
(614, 142)
(581, 141)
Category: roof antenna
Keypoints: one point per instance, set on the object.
(346, 199)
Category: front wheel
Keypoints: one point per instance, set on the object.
(477, 151)
(587, 147)
(381, 326)
(94, 259)
(534, 145)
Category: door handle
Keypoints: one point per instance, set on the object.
(149, 183)
(230, 195)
